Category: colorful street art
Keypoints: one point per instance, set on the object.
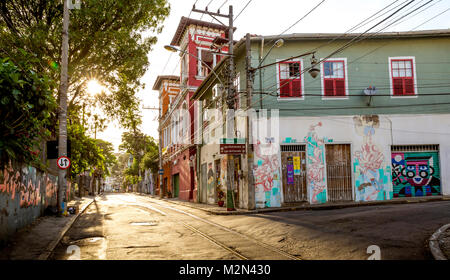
(31, 187)
(25, 193)
(416, 174)
(372, 175)
(266, 170)
(211, 192)
(316, 176)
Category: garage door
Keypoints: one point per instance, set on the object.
(415, 170)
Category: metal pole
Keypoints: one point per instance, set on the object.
(230, 114)
(62, 140)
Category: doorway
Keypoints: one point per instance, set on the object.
(293, 167)
(339, 173)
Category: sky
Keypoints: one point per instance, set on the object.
(269, 17)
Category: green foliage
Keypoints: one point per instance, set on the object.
(107, 42)
(144, 151)
(27, 108)
(89, 154)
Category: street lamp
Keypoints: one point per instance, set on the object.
(278, 44)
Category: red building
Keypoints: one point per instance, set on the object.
(195, 39)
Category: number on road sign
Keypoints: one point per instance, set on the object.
(63, 162)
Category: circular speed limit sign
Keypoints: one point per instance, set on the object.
(63, 162)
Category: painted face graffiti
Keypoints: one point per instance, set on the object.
(414, 174)
(418, 172)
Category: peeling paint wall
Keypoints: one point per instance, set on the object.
(371, 165)
(25, 192)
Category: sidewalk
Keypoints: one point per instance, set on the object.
(37, 240)
(440, 243)
(216, 210)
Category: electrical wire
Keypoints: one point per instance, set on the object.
(350, 43)
(242, 10)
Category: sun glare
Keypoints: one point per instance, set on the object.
(94, 87)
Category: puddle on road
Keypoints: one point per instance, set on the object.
(143, 223)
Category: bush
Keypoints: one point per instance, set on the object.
(27, 111)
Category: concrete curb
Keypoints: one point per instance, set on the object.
(47, 252)
(306, 207)
(434, 243)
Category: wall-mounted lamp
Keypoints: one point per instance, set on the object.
(314, 72)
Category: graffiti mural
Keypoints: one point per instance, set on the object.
(210, 185)
(372, 176)
(266, 170)
(416, 174)
(316, 176)
(25, 193)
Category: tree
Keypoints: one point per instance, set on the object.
(88, 153)
(144, 151)
(27, 110)
(106, 43)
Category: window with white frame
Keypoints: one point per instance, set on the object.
(205, 62)
(290, 78)
(184, 67)
(334, 80)
(402, 76)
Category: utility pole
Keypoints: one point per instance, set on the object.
(229, 100)
(62, 140)
(249, 77)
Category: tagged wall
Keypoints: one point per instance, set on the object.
(266, 169)
(25, 192)
(316, 172)
(370, 163)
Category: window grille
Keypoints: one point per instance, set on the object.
(415, 148)
(293, 148)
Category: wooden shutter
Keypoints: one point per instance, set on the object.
(285, 88)
(296, 88)
(329, 87)
(340, 87)
(409, 86)
(398, 86)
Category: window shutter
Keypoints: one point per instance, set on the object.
(296, 88)
(398, 86)
(284, 88)
(329, 87)
(340, 87)
(409, 86)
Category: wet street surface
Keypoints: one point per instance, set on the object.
(134, 227)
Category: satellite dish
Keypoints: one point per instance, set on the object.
(370, 91)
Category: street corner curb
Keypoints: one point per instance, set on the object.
(434, 243)
(54, 243)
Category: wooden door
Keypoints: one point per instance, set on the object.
(293, 168)
(339, 173)
(176, 185)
